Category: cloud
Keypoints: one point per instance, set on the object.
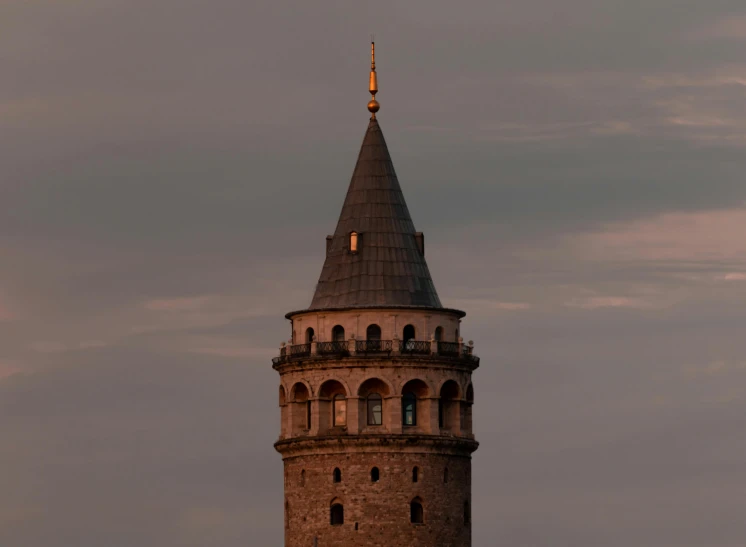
(732, 27)
(596, 302)
(8, 369)
(711, 237)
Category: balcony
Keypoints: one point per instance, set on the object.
(377, 348)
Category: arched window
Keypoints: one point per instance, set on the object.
(337, 514)
(409, 408)
(449, 407)
(354, 242)
(467, 513)
(375, 409)
(408, 334)
(415, 474)
(339, 410)
(439, 334)
(373, 332)
(309, 335)
(337, 475)
(445, 475)
(375, 475)
(416, 512)
(338, 334)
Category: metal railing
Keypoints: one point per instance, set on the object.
(300, 350)
(337, 348)
(374, 346)
(364, 348)
(414, 347)
(448, 348)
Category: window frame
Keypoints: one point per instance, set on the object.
(416, 511)
(339, 408)
(354, 242)
(409, 398)
(370, 410)
(337, 518)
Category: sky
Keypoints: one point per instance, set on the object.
(169, 171)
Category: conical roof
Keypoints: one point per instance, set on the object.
(389, 268)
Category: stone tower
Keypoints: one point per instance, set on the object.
(375, 384)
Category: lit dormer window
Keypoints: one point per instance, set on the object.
(354, 239)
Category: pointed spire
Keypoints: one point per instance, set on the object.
(373, 105)
(375, 257)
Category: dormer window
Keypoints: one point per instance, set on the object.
(354, 242)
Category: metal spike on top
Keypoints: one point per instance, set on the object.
(373, 105)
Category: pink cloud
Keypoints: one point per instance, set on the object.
(8, 369)
(597, 302)
(702, 236)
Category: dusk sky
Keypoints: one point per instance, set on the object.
(169, 171)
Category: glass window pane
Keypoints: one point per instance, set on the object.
(340, 410)
(375, 409)
(409, 409)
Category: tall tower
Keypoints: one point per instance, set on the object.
(375, 383)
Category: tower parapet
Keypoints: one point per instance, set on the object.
(376, 392)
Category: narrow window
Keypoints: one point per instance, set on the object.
(375, 475)
(354, 237)
(375, 409)
(308, 414)
(441, 420)
(338, 334)
(445, 475)
(340, 410)
(309, 335)
(409, 408)
(467, 513)
(415, 474)
(407, 335)
(337, 475)
(416, 513)
(439, 334)
(337, 514)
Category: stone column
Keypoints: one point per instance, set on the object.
(315, 416)
(353, 415)
(432, 425)
(394, 414)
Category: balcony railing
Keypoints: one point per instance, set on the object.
(448, 348)
(372, 348)
(415, 347)
(332, 348)
(300, 350)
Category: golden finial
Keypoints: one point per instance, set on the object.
(373, 105)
